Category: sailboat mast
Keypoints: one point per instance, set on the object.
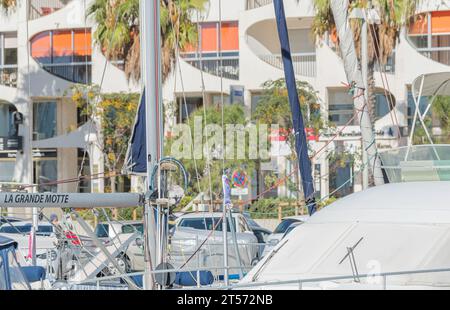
(151, 79)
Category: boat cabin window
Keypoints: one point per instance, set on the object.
(206, 223)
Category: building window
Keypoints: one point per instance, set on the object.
(217, 99)
(430, 35)
(7, 126)
(340, 107)
(192, 104)
(208, 55)
(7, 170)
(423, 103)
(83, 160)
(256, 97)
(45, 168)
(65, 53)
(44, 120)
(8, 59)
(383, 105)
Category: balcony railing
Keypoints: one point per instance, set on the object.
(8, 75)
(228, 67)
(304, 63)
(254, 4)
(441, 55)
(73, 72)
(40, 8)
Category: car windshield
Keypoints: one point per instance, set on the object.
(284, 225)
(101, 231)
(251, 221)
(205, 223)
(132, 228)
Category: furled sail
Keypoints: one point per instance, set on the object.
(136, 159)
(301, 144)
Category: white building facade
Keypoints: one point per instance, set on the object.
(46, 46)
(249, 45)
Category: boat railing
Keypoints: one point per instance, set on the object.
(97, 282)
(381, 279)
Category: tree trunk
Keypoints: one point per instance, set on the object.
(354, 75)
(372, 100)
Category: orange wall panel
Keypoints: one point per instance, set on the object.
(40, 45)
(82, 42)
(209, 37)
(62, 43)
(440, 22)
(230, 36)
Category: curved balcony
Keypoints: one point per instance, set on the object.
(41, 8)
(255, 4)
(66, 54)
(304, 63)
(226, 66)
(262, 39)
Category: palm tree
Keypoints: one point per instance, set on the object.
(117, 32)
(382, 38)
(8, 4)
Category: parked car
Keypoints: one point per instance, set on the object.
(8, 219)
(262, 234)
(280, 230)
(191, 230)
(291, 228)
(132, 259)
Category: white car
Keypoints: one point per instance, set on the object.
(280, 231)
(132, 259)
(191, 230)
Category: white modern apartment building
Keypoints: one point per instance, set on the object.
(46, 46)
(246, 45)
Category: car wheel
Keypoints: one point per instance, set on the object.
(124, 264)
(255, 261)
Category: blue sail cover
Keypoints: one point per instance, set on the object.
(137, 153)
(297, 117)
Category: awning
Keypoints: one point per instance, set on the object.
(79, 138)
(432, 84)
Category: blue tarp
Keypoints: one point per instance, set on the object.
(34, 274)
(297, 117)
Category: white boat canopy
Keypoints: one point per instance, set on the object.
(427, 85)
(390, 228)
